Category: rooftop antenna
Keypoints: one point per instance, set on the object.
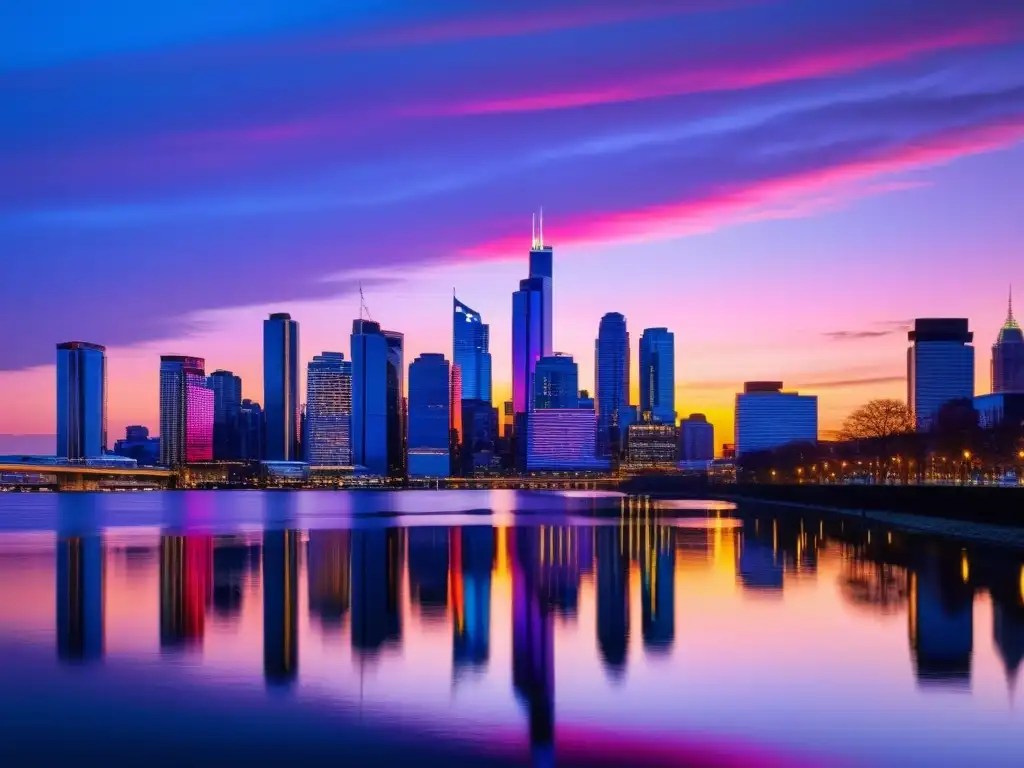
(533, 230)
(1009, 306)
(364, 311)
(541, 233)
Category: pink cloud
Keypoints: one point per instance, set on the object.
(797, 195)
(826, 62)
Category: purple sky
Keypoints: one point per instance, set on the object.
(783, 183)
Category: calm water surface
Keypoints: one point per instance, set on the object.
(495, 628)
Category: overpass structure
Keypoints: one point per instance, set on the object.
(82, 477)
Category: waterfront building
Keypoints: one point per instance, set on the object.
(138, 445)
(186, 411)
(471, 351)
(1000, 408)
(611, 372)
(696, 438)
(328, 432)
(429, 416)
(396, 405)
(1008, 356)
(563, 440)
(81, 400)
(370, 369)
(556, 382)
(767, 417)
(940, 366)
(227, 409)
(651, 445)
(250, 431)
(455, 406)
(281, 387)
(658, 374)
(478, 450)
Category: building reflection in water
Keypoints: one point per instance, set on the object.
(234, 561)
(186, 589)
(472, 559)
(80, 577)
(612, 598)
(280, 598)
(1008, 633)
(760, 563)
(658, 592)
(329, 563)
(428, 571)
(533, 643)
(376, 589)
(941, 621)
(566, 553)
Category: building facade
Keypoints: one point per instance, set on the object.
(471, 351)
(81, 400)
(556, 382)
(227, 412)
(651, 445)
(186, 411)
(940, 366)
(479, 451)
(696, 438)
(370, 353)
(1008, 356)
(527, 340)
(767, 417)
(563, 440)
(396, 404)
(138, 445)
(281, 388)
(250, 431)
(658, 374)
(429, 416)
(585, 400)
(611, 376)
(1000, 409)
(328, 433)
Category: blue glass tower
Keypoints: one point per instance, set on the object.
(940, 366)
(396, 403)
(281, 387)
(556, 382)
(527, 340)
(611, 373)
(328, 411)
(369, 397)
(429, 416)
(658, 374)
(81, 400)
(470, 351)
(227, 411)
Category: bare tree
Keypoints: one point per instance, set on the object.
(878, 420)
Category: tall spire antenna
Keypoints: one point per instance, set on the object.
(542, 226)
(364, 311)
(1009, 305)
(533, 230)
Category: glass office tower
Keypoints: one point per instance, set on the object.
(767, 417)
(470, 351)
(227, 411)
(940, 366)
(328, 411)
(81, 400)
(611, 375)
(186, 411)
(556, 382)
(369, 397)
(658, 374)
(1008, 356)
(696, 438)
(396, 403)
(281, 387)
(429, 416)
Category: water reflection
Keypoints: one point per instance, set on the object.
(566, 591)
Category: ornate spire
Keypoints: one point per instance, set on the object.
(1011, 322)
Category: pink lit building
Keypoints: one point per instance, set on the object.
(186, 411)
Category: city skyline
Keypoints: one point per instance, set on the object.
(784, 196)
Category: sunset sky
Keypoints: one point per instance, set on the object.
(785, 184)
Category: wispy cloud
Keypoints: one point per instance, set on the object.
(879, 330)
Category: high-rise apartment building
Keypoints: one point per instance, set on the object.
(429, 416)
(471, 351)
(281, 388)
(1008, 356)
(527, 340)
(250, 431)
(611, 373)
(186, 411)
(658, 374)
(328, 433)
(696, 438)
(556, 382)
(940, 366)
(227, 412)
(396, 404)
(370, 370)
(81, 400)
(767, 417)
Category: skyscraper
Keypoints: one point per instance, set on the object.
(227, 411)
(658, 374)
(1008, 356)
(527, 340)
(767, 417)
(396, 403)
(186, 411)
(369, 396)
(940, 366)
(611, 374)
(470, 351)
(328, 411)
(562, 440)
(429, 416)
(556, 382)
(250, 431)
(81, 400)
(542, 269)
(281, 387)
(696, 438)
